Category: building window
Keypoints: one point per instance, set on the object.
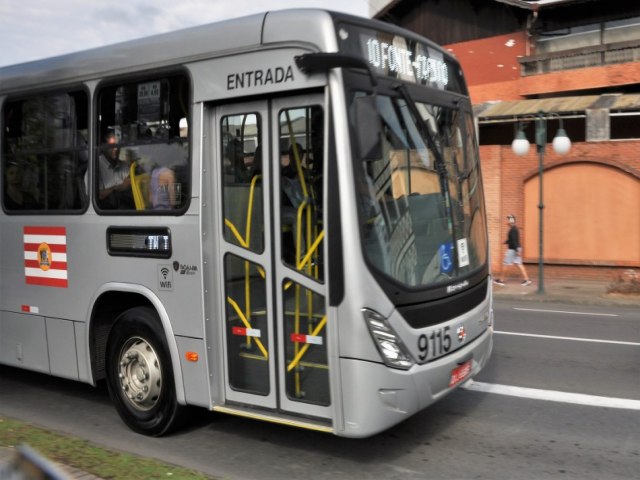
(582, 36)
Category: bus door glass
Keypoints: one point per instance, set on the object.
(272, 249)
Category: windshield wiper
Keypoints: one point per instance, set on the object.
(441, 168)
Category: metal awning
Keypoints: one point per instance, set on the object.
(564, 106)
(626, 102)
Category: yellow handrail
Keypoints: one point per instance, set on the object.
(252, 189)
(235, 233)
(247, 324)
(304, 349)
(312, 250)
(242, 243)
(138, 197)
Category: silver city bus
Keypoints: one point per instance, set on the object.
(279, 217)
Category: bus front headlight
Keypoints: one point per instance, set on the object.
(392, 350)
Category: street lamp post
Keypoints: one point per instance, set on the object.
(520, 146)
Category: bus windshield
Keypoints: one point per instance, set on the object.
(419, 190)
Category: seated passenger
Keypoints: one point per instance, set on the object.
(235, 167)
(114, 191)
(15, 197)
(163, 188)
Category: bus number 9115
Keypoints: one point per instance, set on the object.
(435, 344)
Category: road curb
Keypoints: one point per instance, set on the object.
(606, 300)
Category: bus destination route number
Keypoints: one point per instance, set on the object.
(394, 58)
(434, 344)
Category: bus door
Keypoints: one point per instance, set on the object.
(272, 253)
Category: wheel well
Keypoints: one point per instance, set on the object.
(106, 311)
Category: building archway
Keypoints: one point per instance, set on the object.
(591, 215)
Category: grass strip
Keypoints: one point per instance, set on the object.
(89, 458)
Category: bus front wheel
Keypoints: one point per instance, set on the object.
(139, 373)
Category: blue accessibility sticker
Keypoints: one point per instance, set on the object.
(446, 257)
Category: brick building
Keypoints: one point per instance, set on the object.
(574, 60)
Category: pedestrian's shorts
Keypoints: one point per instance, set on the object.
(511, 257)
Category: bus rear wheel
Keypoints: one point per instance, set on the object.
(139, 374)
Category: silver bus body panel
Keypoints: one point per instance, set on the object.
(255, 73)
(63, 361)
(394, 395)
(210, 232)
(315, 28)
(23, 341)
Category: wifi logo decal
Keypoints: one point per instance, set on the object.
(165, 277)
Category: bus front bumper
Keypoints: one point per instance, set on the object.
(376, 397)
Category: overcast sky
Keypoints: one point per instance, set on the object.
(33, 29)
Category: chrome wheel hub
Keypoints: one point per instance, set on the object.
(140, 374)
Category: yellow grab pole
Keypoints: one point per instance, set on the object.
(247, 325)
(304, 349)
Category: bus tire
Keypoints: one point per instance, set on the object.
(139, 373)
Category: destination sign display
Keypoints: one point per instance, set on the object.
(402, 61)
(403, 58)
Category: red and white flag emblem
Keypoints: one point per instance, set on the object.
(45, 256)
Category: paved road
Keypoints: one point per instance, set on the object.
(591, 350)
(471, 434)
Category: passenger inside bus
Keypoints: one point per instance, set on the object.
(15, 198)
(234, 162)
(164, 190)
(114, 182)
(292, 198)
(291, 181)
(255, 164)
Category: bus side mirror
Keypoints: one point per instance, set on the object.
(368, 128)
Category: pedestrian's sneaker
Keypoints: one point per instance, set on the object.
(526, 283)
(497, 281)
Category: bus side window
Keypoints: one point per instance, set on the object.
(45, 154)
(147, 120)
(16, 197)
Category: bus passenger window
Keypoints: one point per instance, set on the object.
(44, 156)
(16, 197)
(143, 158)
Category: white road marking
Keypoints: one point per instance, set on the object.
(554, 396)
(573, 339)
(567, 312)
